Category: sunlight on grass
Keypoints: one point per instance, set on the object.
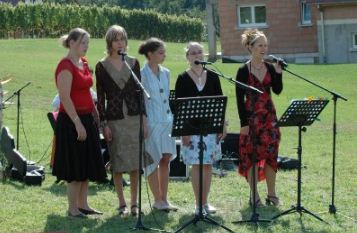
(43, 209)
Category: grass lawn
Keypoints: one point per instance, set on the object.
(43, 209)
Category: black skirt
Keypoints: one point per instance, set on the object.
(78, 160)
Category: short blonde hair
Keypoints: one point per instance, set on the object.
(112, 34)
(75, 34)
(192, 44)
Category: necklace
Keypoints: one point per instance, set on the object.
(198, 76)
(259, 72)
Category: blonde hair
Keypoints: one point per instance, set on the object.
(75, 35)
(192, 44)
(112, 34)
(250, 36)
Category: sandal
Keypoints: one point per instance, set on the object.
(123, 210)
(134, 210)
(258, 203)
(272, 200)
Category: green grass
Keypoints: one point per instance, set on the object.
(42, 209)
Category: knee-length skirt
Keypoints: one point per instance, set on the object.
(78, 160)
(211, 150)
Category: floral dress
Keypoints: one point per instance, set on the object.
(264, 135)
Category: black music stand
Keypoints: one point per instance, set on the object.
(301, 113)
(199, 116)
(172, 99)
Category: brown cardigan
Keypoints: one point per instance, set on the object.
(111, 96)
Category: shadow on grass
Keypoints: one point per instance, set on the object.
(158, 219)
(202, 225)
(338, 218)
(69, 224)
(286, 224)
(101, 224)
(305, 229)
(265, 213)
(60, 189)
(15, 183)
(127, 224)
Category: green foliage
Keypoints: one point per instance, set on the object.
(52, 20)
(192, 8)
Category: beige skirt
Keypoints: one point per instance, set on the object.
(124, 147)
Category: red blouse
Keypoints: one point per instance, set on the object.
(81, 82)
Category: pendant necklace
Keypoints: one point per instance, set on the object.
(199, 76)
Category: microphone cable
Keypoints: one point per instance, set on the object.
(148, 195)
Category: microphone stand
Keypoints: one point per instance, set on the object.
(335, 97)
(18, 94)
(234, 82)
(139, 224)
(255, 216)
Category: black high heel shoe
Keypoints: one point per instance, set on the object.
(90, 212)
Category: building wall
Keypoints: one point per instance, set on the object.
(340, 22)
(287, 38)
(340, 11)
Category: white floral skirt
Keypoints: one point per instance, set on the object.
(211, 150)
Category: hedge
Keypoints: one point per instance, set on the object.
(53, 20)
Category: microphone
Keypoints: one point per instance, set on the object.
(122, 53)
(197, 62)
(278, 60)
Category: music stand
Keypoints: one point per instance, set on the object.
(301, 113)
(172, 99)
(199, 116)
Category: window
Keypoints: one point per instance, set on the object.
(354, 39)
(252, 16)
(305, 13)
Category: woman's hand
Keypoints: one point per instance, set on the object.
(186, 140)
(278, 68)
(81, 131)
(107, 133)
(244, 130)
(222, 136)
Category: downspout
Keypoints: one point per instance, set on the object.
(322, 33)
(212, 47)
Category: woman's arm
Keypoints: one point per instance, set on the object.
(240, 96)
(100, 92)
(64, 83)
(277, 78)
(99, 72)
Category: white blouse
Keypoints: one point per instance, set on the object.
(157, 107)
